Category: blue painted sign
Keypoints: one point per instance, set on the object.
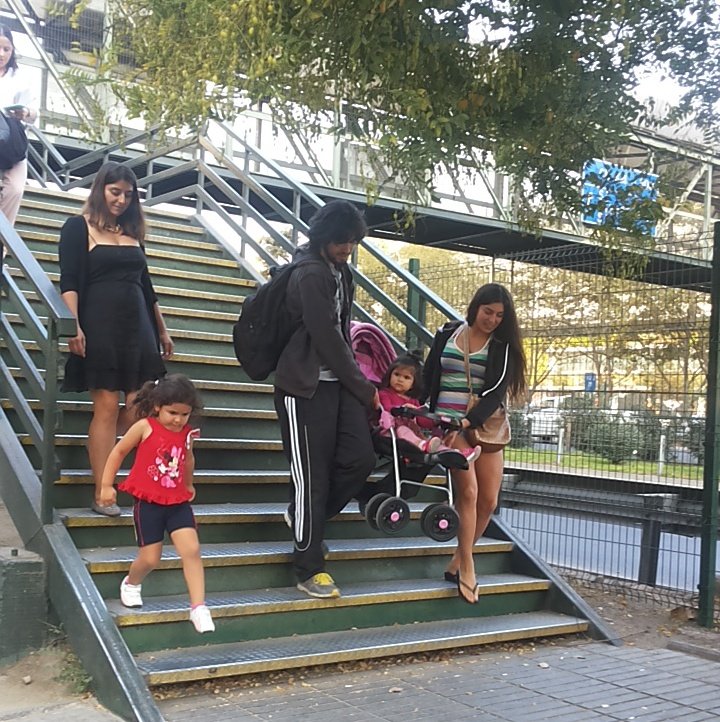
(610, 189)
(590, 382)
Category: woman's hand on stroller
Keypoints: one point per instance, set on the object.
(442, 420)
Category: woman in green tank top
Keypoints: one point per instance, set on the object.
(496, 367)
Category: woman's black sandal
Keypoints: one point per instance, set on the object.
(475, 590)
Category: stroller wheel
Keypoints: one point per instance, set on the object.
(440, 522)
(372, 506)
(392, 515)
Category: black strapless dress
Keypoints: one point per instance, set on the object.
(122, 351)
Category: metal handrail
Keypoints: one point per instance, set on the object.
(100, 154)
(60, 323)
(209, 174)
(234, 196)
(285, 213)
(309, 196)
(199, 145)
(252, 150)
(47, 145)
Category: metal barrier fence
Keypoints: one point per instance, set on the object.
(606, 467)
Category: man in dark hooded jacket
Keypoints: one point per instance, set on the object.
(321, 397)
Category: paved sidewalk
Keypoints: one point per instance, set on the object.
(75, 711)
(591, 682)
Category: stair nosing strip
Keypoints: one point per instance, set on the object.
(364, 595)
(280, 552)
(243, 513)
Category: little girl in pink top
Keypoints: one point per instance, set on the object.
(401, 386)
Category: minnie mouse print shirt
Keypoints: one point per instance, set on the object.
(157, 475)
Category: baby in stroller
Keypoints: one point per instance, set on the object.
(401, 387)
(409, 436)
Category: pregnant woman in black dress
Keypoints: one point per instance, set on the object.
(121, 336)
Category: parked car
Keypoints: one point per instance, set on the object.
(546, 420)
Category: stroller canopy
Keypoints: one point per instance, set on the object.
(372, 348)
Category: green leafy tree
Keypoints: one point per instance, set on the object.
(535, 89)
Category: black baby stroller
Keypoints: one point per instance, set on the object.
(384, 503)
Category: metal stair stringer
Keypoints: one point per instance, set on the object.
(562, 597)
(82, 611)
(72, 592)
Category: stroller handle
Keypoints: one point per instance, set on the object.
(442, 420)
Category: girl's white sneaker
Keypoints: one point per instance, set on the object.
(202, 619)
(130, 594)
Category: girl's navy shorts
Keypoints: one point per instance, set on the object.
(153, 520)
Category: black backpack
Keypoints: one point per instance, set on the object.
(14, 143)
(263, 328)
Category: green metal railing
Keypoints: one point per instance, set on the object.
(189, 156)
(42, 379)
(303, 195)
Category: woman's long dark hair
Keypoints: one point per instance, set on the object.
(508, 331)
(171, 389)
(132, 220)
(5, 32)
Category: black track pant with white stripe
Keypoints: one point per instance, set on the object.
(327, 442)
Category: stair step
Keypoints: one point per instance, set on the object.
(80, 440)
(213, 514)
(176, 358)
(50, 200)
(165, 293)
(230, 318)
(174, 608)
(200, 340)
(151, 239)
(160, 271)
(242, 387)
(214, 476)
(201, 476)
(161, 254)
(165, 667)
(208, 411)
(215, 392)
(118, 559)
(173, 311)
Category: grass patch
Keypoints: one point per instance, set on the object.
(581, 462)
(73, 675)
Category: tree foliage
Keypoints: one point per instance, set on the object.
(535, 88)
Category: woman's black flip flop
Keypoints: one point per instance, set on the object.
(474, 590)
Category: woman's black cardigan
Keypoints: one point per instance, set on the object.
(498, 372)
(73, 253)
